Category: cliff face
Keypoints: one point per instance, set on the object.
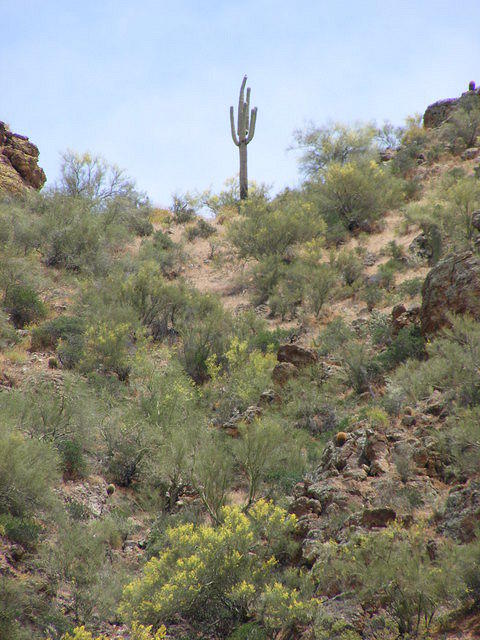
(18, 163)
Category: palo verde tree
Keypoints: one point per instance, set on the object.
(244, 133)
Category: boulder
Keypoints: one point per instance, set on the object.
(379, 517)
(436, 113)
(470, 154)
(439, 112)
(296, 355)
(452, 286)
(461, 516)
(19, 168)
(283, 371)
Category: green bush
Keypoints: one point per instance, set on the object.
(48, 334)
(202, 229)
(23, 305)
(409, 343)
(334, 143)
(393, 569)
(28, 469)
(24, 531)
(8, 335)
(356, 194)
(461, 343)
(348, 265)
(271, 228)
(65, 415)
(462, 128)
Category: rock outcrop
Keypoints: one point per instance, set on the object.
(438, 112)
(452, 286)
(19, 168)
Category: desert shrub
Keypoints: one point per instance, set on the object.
(318, 284)
(183, 208)
(28, 469)
(329, 628)
(414, 142)
(461, 441)
(348, 265)
(126, 445)
(23, 305)
(202, 229)
(13, 602)
(158, 303)
(393, 569)
(64, 414)
(360, 368)
(334, 142)
(446, 216)
(462, 128)
(169, 428)
(8, 335)
(70, 350)
(212, 575)
(204, 329)
(270, 228)
(411, 287)
(440, 371)
(137, 632)
(24, 531)
(48, 334)
(372, 295)
(291, 288)
(264, 447)
(71, 234)
(164, 252)
(356, 194)
(72, 560)
(91, 177)
(266, 275)
(107, 348)
(408, 343)
(385, 275)
(242, 379)
(334, 336)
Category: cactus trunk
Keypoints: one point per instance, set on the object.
(243, 133)
(243, 172)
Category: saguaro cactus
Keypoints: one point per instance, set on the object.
(243, 133)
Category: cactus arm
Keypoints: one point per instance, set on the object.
(232, 125)
(240, 109)
(247, 111)
(253, 122)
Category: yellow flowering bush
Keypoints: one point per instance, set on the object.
(245, 376)
(212, 573)
(138, 632)
(106, 348)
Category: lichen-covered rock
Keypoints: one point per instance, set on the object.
(19, 168)
(462, 512)
(452, 286)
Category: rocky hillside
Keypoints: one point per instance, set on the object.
(19, 168)
(263, 423)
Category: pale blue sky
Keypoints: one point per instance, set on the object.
(148, 83)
